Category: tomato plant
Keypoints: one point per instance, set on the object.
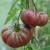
(19, 36)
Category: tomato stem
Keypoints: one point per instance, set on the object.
(34, 5)
(27, 4)
(37, 41)
(31, 5)
(18, 20)
(24, 48)
(17, 26)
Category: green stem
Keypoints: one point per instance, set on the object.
(24, 48)
(37, 41)
(34, 5)
(31, 5)
(27, 4)
(18, 20)
(17, 26)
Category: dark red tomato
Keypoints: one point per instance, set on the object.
(43, 18)
(24, 17)
(29, 17)
(17, 39)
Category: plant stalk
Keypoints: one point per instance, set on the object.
(34, 6)
(35, 31)
(27, 4)
(31, 5)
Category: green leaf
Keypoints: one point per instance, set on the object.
(22, 6)
(11, 15)
(14, 19)
(31, 46)
(20, 48)
(13, 6)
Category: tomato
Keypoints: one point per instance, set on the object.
(43, 18)
(29, 17)
(16, 39)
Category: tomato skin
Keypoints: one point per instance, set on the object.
(29, 17)
(43, 18)
(24, 17)
(17, 39)
(5, 36)
(32, 18)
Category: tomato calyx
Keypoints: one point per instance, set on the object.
(16, 27)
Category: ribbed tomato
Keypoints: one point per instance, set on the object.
(43, 18)
(16, 39)
(29, 17)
